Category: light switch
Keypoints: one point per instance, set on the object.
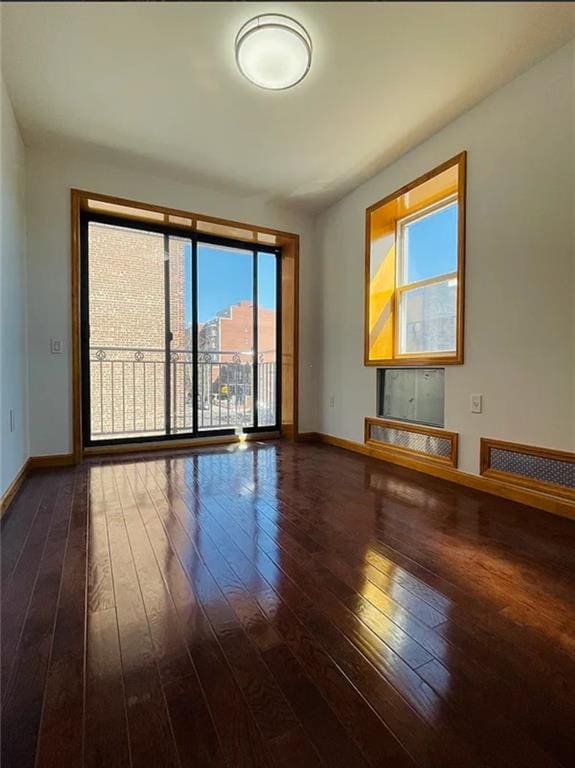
(56, 346)
(476, 403)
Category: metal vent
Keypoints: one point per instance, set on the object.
(412, 441)
(546, 470)
(540, 469)
(434, 444)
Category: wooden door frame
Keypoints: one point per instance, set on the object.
(289, 244)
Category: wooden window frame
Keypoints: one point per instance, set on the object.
(423, 358)
(288, 242)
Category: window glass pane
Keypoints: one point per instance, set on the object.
(430, 245)
(267, 336)
(127, 332)
(181, 359)
(428, 318)
(225, 337)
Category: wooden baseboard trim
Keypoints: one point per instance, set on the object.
(175, 445)
(308, 437)
(54, 460)
(10, 493)
(544, 501)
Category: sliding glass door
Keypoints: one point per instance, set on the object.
(180, 334)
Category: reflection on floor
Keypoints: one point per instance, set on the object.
(282, 605)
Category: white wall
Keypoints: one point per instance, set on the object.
(50, 176)
(13, 351)
(520, 281)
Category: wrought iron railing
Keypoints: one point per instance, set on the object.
(136, 391)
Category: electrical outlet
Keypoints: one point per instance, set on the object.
(476, 403)
(332, 401)
(56, 346)
(12, 420)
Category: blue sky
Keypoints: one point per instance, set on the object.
(225, 277)
(432, 245)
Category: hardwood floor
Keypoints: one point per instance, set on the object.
(282, 605)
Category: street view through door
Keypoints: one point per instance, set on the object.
(180, 333)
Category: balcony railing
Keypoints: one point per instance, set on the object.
(135, 391)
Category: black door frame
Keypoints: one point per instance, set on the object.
(195, 238)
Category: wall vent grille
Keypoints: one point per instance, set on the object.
(540, 469)
(426, 443)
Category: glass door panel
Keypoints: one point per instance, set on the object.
(179, 335)
(267, 337)
(180, 342)
(126, 332)
(225, 300)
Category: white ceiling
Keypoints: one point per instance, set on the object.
(157, 83)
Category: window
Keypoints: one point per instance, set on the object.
(427, 280)
(414, 266)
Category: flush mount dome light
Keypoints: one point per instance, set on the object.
(273, 51)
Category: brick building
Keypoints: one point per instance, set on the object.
(232, 330)
(127, 330)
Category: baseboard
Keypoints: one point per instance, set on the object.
(55, 460)
(544, 501)
(308, 437)
(13, 488)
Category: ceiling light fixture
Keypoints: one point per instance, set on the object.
(273, 51)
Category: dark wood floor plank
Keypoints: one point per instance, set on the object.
(470, 600)
(425, 510)
(547, 717)
(219, 594)
(406, 717)
(18, 586)
(345, 701)
(401, 587)
(194, 730)
(171, 653)
(396, 595)
(240, 740)
(151, 738)
(271, 645)
(100, 582)
(282, 604)
(294, 743)
(380, 654)
(441, 754)
(17, 522)
(324, 731)
(106, 726)
(501, 742)
(61, 732)
(106, 739)
(387, 623)
(22, 707)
